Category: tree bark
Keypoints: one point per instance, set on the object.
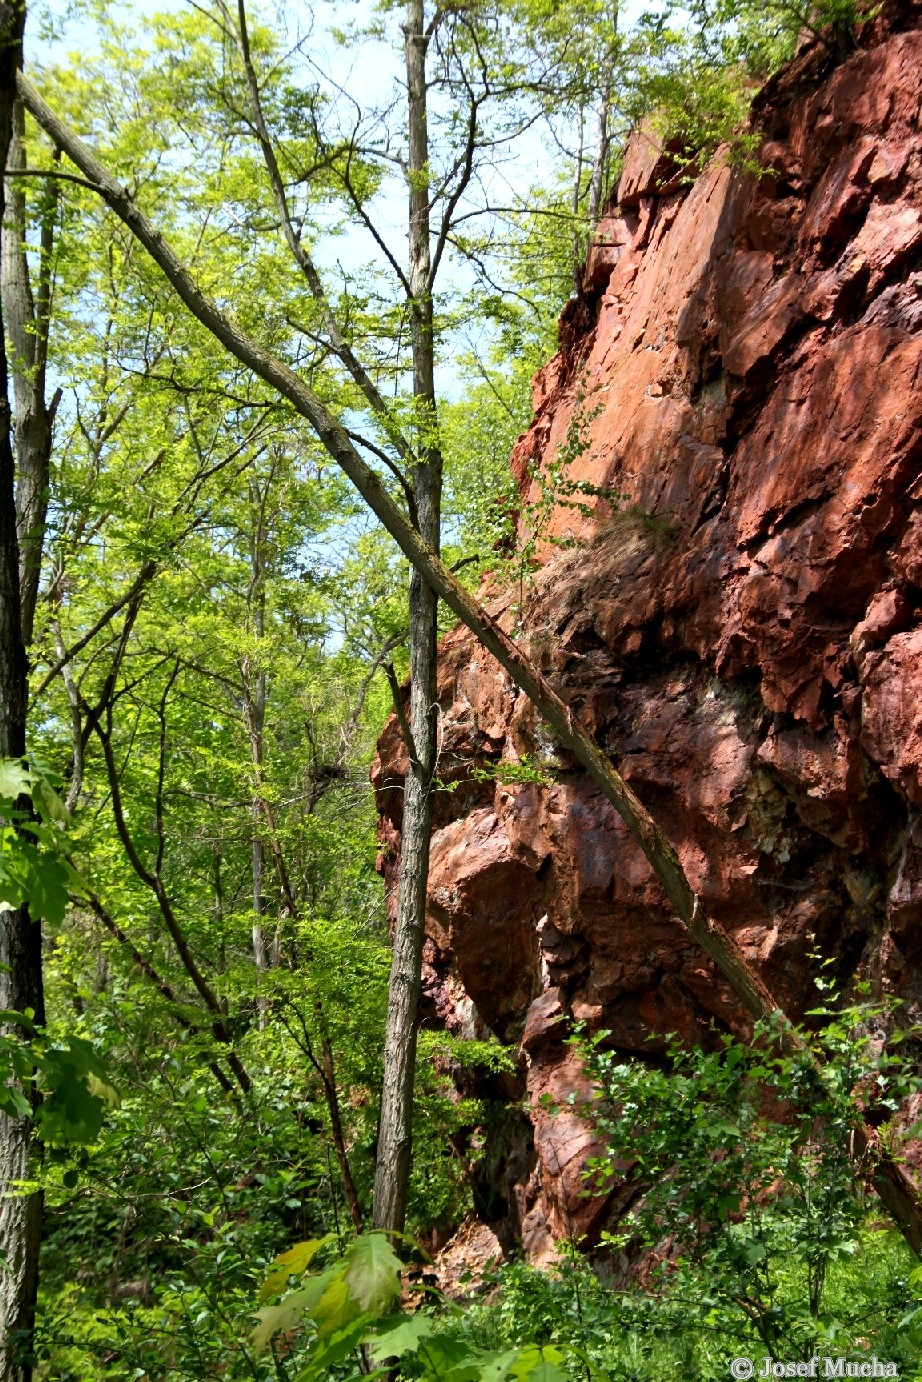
(395, 1128)
(708, 933)
(253, 673)
(27, 320)
(20, 937)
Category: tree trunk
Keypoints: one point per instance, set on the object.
(26, 321)
(254, 693)
(395, 1131)
(20, 937)
(603, 134)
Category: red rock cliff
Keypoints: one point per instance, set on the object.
(741, 628)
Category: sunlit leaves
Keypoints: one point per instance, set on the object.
(347, 1306)
(294, 1262)
(372, 1272)
(35, 870)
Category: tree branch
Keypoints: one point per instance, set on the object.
(155, 883)
(303, 260)
(147, 969)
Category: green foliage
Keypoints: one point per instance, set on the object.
(697, 67)
(239, 696)
(35, 869)
(675, 1327)
(348, 1307)
(526, 770)
(741, 1162)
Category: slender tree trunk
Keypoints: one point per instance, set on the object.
(395, 1134)
(26, 317)
(578, 251)
(254, 688)
(601, 158)
(20, 937)
(603, 134)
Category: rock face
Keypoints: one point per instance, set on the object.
(739, 624)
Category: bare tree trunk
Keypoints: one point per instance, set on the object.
(601, 158)
(395, 1131)
(891, 1180)
(254, 691)
(577, 249)
(20, 937)
(603, 135)
(20, 1213)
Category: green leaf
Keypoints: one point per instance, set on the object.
(450, 1359)
(754, 1252)
(333, 1350)
(540, 1365)
(47, 802)
(373, 1272)
(402, 1336)
(13, 1102)
(494, 1367)
(276, 1319)
(15, 778)
(294, 1262)
(11, 1015)
(48, 889)
(336, 1307)
(103, 1090)
(76, 1093)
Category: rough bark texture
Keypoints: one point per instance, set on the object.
(741, 631)
(26, 320)
(392, 1169)
(20, 938)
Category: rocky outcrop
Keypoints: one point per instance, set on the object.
(734, 610)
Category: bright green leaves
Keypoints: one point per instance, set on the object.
(34, 868)
(740, 1158)
(278, 1319)
(373, 1272)
(15, 778)
(536, 1364)
(399, 1336)
(294, 1262)
(364, 1282)
(76, 1093)
(35, 872)
(347, 1305)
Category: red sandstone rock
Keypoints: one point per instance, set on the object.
(741, 628)
(464, 1267)
(892, 712)
(648, 167)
